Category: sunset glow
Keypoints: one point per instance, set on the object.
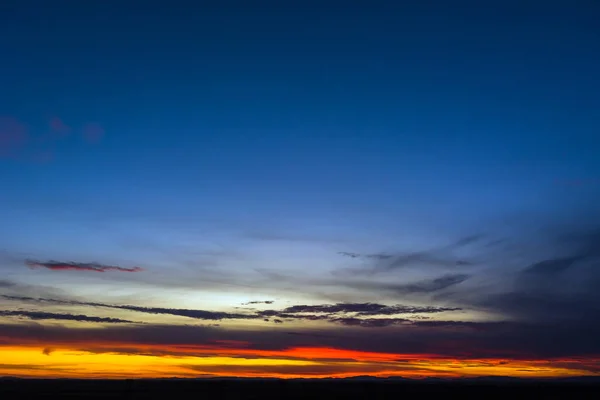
(299, 362)
(313, 190)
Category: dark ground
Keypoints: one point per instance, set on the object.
(292, 389)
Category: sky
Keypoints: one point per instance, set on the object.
(299, 189)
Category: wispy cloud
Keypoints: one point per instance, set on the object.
(371, 322)
(367, 256)
(13, 136)
(441, 257)
(552, 266)
(432, 285)
(41, 315)
(353, 314)
(366, 309)
(258, 302)
(425, 286)
(341, 313)
(196, 314)
(93, 132)
(75, 266)
(59, 127)
(189, 313)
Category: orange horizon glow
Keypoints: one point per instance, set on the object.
(128, 361)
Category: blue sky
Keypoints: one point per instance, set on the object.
(234, 151)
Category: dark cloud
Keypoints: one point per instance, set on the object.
(341, 313)
(328, 370)
(196, 314)
(467, 240)
(352, 314)
(558, 291)
(74, 266)
(502, 340)
(47, 351)
(40, 300)
(189, 313)
(349, 254)
(7, 284)
(40, 315)
(367, 256)
(442, 257)
(422, 259)
(365, 309)
(259, 302)
(552, 266)
(433, 285)
(459, 324)
(370, 322)
(426, 286)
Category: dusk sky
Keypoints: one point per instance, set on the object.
(299, 188)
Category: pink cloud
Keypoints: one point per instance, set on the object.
(73, 266)
(58, 126)
(93, 132)
(13, 135)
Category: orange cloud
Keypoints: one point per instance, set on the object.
(72, 362)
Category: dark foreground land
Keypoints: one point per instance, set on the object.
(330, 389)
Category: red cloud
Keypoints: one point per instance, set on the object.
(62, 266)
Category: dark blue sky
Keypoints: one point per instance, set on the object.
(343, 125)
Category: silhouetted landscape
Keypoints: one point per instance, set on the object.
(354, 388)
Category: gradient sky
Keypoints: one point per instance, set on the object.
(314, 188)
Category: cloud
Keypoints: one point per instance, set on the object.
(438, 257)
(93, 132)
(258, 302)
(502, 340)
(552, 266)
(40, 315)
(365, 309)
(352, 314)
(368, 256)
(425, 286)
(341, 313)
(371, 322)
(422, 259)
(74, 266)
(13, 136)
(432, 285)
(349, 254)
(556, 286)
(546, 305)
(195, 314)
(58, 126)
(47, 351)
